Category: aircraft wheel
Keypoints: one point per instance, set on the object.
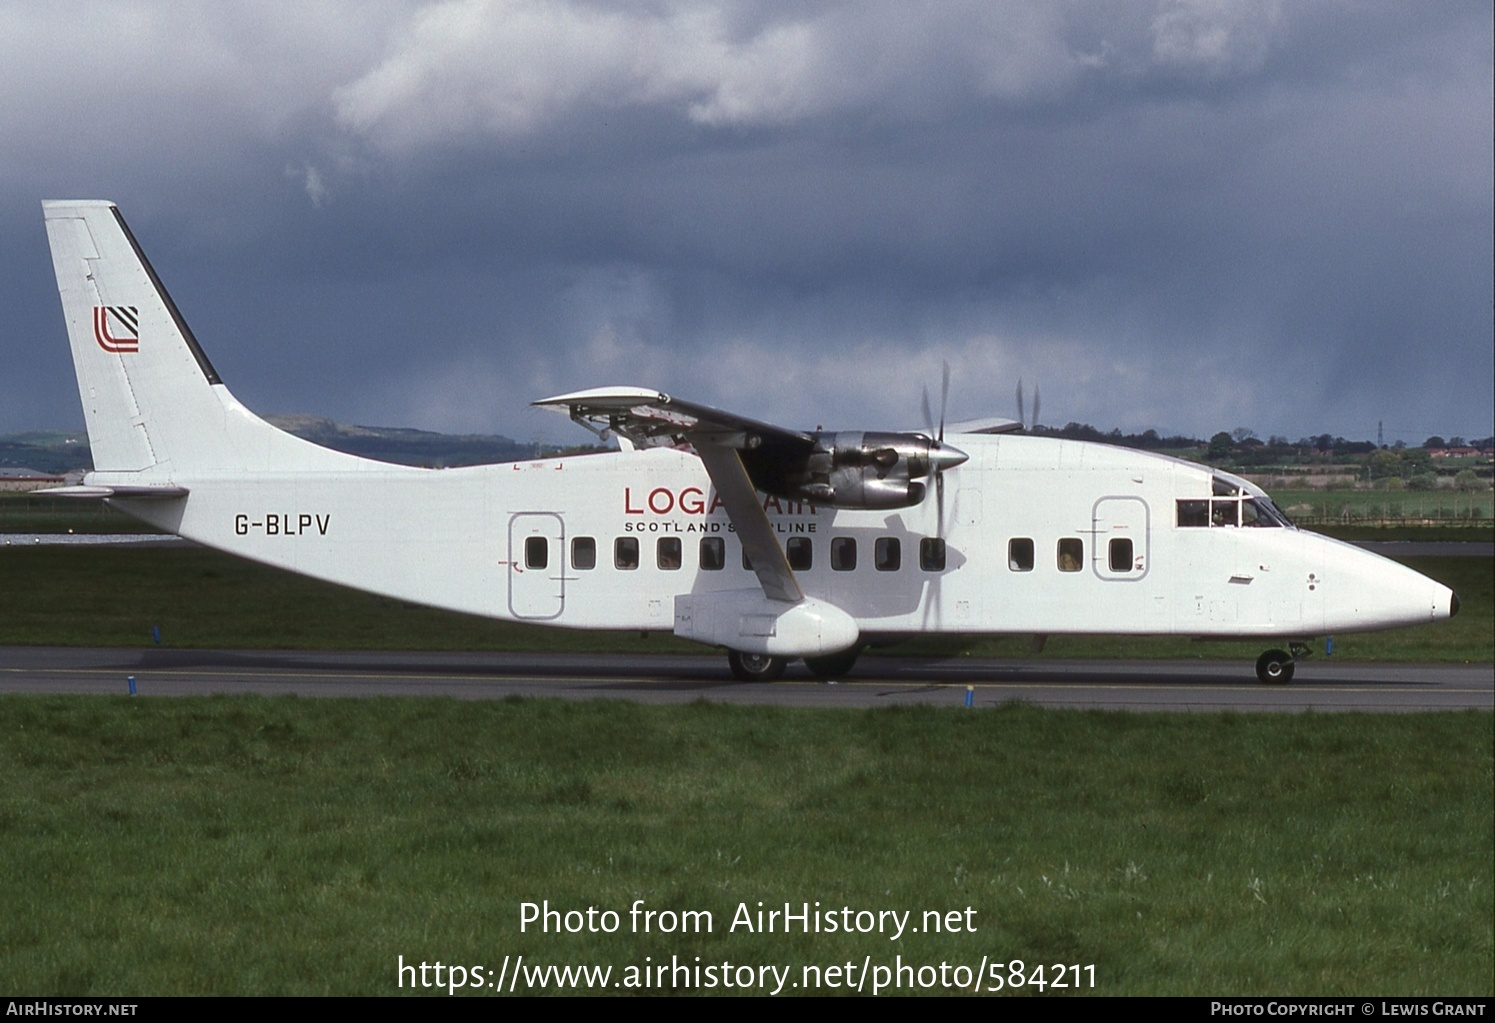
(1275, 667)
(755, 667)
(833, 666)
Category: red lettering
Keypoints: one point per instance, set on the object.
(716, 502)
(772, 502)
(669, 500)
(628, 508)
(692, 501)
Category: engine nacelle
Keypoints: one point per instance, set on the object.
(857, 469)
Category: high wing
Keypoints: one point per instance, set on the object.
(846, 469)
(651, 418)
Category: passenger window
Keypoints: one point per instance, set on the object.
(843, 554)
(625, 553)
(536, 552)
(887, 555)
(667, 553)
(1121, 554)
(932, 554)
(713, 553)
(583, 553)
(801, 554)
(1071, 554)
(1193, 513)
(747, 562)
(1020, 554)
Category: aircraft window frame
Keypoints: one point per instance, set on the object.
(713, 554)
(1021, 555)
(887, 554)
(932, 553)
(747, 562)
(536, 552)
(625, 553)
(1069, 554)
(1248, 512)
(843, 554)
(583, 553)
(669, 554)
(1119, 554)
(800, 553)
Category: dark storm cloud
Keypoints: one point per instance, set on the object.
(1189, 216)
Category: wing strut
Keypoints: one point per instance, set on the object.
(740, 498)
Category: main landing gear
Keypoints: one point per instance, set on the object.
(1275, 667)
(764, 668)
(756, 667)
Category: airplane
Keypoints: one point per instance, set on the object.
(771, 543)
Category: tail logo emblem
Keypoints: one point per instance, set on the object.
(116, 327)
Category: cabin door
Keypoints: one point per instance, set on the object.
(536, 562)
(1120, 551)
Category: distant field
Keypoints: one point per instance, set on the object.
(1350, 506)
(113, 596)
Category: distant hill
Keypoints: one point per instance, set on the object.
(57, 451)
(405, 446)
(51, 451)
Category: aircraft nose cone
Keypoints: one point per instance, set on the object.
(944, 456)
(1453, 604)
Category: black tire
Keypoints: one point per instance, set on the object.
(833, 666)
(755, 667)
(1275, 668)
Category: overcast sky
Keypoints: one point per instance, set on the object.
(1190, 216)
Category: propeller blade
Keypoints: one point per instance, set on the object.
(944, 398)
(1020, 417)
(928, 415)
(1034, 427)
(939, 503)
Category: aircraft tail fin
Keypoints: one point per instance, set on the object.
(153, 403)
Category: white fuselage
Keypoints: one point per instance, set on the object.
(1040, 536)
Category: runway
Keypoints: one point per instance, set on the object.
(1320, 685)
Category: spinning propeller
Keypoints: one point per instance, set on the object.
(1031, 427)
(941, 457)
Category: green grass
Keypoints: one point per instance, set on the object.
(1348, 506)
(280, 846)
(1477, 533)
(113, 596)
(26, 513)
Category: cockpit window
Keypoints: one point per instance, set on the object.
(1224, 513)
(1193, 513)
(1230, 511)
(1268, 514)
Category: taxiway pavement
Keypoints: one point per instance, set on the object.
(1320, 685)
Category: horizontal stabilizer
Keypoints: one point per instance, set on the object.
(160, 493)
